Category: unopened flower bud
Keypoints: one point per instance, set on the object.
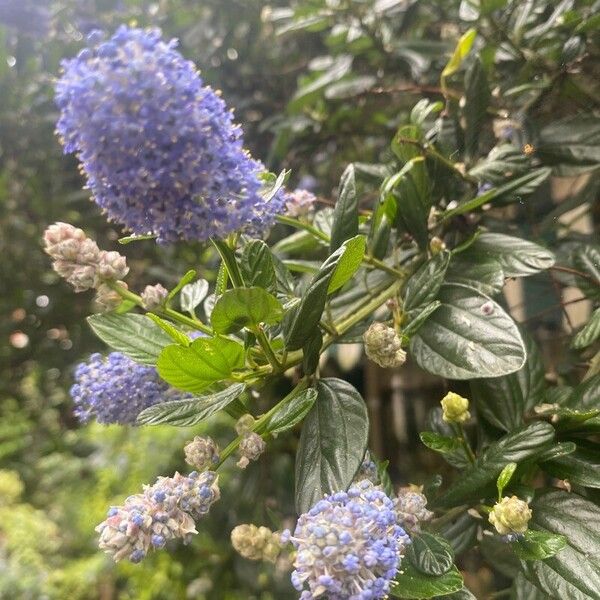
(244, 424)
(455, 408)
(384, 346)
(256, 543)
(410, 506)
(111, 265)
(436, 245)
(299, 203)
(510, 515)
(201, 453)
(153, 296)
(250, 448)
(108, 299)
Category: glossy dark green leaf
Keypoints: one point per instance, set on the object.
(503, 161)
(477, 97)
(461, 532)
(423, 286)
(457, 457)
(589, 333)
(574, 572)
(439, 443)
(503, 401)
(468, 336)
(257, 265)
(586, 395)
(581, 467)
(332, 443)
(345, 213)
(134, 335)
(517, 446)
(349, 262)
(430, 554)
(523, 590)
(292, 412)
(311, 352)
(517, 257)
(205, 362)
(416, 317)
(411, 584)
(481, 273)
(185, 413)
(538, 545)
(245, 307)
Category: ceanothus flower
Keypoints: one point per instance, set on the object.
(348, 545)
(115, 389)
(160, 150)
(164, 511)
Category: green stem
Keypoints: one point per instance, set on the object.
(263, 340)
(460, 433)
(369, 260)
(168, 312)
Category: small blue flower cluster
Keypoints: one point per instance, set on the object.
(164, 511)
(348, 545)
(160, 149)
(116, 389)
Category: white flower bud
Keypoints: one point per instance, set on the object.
(108, 299)
(299, 203)
(455, 408)
(250, 448)
(153, 296)
(201, 453)
(384, 346)
(510, 515)
(410, 507)
(112, 265)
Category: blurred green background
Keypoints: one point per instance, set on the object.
(315, 84)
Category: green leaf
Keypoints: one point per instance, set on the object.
(439, 443)
(177, 336)
(345, 213)
(505, 477)
(245, 307)
(192, 295)
(185, 413)
(350, 88)
(517, 257)
(311, 352)
(470, 269)
(574, 572)
(423, 286)
(463, 47)
(502, 401)
(411, 584)
(513, 189)
(519, 445)
(187, 278)
(463, 594)
(292, 412)
(415, 318)
(586, 395)
(581, 467)
(461, 532)
(538, 545)
(503, 161)
(571, 146)
(523, 590)
(477, 97)
(590, 332)
(430, 554)
(257, 265)
(349, 263)
(586, 258)
(332, 444)
(205, 362)
(301, 321)
(134, 335)
(468, 336)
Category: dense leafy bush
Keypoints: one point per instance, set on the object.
(460, 140)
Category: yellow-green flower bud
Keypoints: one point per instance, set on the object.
(456, 408)
(510, 515)
(436, 245)
(256, 543)
(384, 346)
(244, 424)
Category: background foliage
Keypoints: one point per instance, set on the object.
(317, 84)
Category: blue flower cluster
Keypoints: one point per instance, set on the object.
(348, 545)
(164, 511)
(116, 389)
(160, 150)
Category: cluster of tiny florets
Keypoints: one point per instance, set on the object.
(160, 150)
(164, 511)
(510, 516)
(251, 445)
(367, 470)
(201, 453)
(77, 258)
(410, 505)
(154, 296)
(115, 389)
(348, 545)
(256, 543)
(299, 203)
(383, 346)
